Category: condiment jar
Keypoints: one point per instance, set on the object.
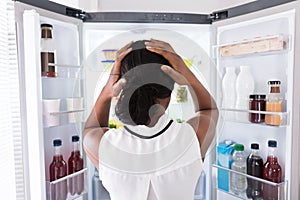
(274, 103)
(257, 102)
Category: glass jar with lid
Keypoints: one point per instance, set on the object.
(257, 102)
(274, 103)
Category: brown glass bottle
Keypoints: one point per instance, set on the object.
(75, 164)
(58, 169)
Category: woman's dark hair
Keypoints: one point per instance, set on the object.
(145, 82)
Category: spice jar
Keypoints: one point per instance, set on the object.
(47, 51)
(257, 102)
(274, 103)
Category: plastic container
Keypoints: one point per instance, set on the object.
(254, 168)
(238, 183)
(75, 164)
(58, 169)
(257, 102)
(244, 87)
(228, 88)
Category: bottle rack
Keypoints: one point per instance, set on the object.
(53, 184)
(264, 45)
(281, 188)
(284, 116)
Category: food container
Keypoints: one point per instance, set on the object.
(257, 102)
(110, 54)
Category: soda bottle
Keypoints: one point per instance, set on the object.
(254, 168)
(238, 183)
(75, 164)
(58, 169)
(272, 172)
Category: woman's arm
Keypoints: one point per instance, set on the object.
(97, 122)
(205, 122)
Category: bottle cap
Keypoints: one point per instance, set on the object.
(257, 96)
(254, 146)
(239, 147)
(57, 142)
(272, 143)
(274, 82)
(75, 138)
(46, 26)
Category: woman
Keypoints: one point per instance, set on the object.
(151, 157)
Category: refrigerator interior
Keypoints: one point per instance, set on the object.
(270, 65)
(67, 119)
(192, 42)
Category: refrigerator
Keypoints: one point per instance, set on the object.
(81, 40)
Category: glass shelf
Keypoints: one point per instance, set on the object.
(279, 188)
(66, 112)
(264, 45)
(284, 116)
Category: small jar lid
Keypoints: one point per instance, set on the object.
(274, 82)
(257, 96)
(46, 26)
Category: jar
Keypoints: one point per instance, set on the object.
(257, 102)
(48, 51)
(274, 103)
(181, 95)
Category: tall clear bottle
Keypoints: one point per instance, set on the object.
(238, 183)
(58, 169)
(254, 168)
(75, 164)
(272, 172)
(244, 87)
(48, 51)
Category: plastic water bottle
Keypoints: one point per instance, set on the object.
(238, 183)
(244, 87)
(200, 191)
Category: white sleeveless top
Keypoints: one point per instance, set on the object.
(163, 167)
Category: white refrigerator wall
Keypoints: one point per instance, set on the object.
(282, 66)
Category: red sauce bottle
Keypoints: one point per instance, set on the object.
(272, 172)
(58, 169)
(75, 164)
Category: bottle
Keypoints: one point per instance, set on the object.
(272, 172)
(200, 191)
(238, 183)
(228, 88)
(254, 168)
(47, 51)
(99, 191)
(274, 103)
(58, 169)
(75, 164)
(244, 87)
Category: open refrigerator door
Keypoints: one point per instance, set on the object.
(53, 87)
(264, 43)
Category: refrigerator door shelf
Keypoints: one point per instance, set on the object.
(280, 188)
(229, 114)
(261, 45)
(76, 177)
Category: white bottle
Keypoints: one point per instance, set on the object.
(228, 88)
(238, 183)
(244, 87)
